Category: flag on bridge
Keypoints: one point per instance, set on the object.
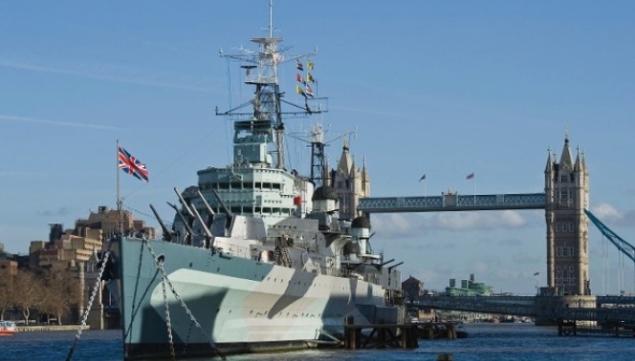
(423, 177)
(470, 176)
(131, 165)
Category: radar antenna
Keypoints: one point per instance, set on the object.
(264, 123)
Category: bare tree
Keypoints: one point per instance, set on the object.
(6, 293)
(29, 290)
(60, 294)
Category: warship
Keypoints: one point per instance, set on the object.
(257, 257)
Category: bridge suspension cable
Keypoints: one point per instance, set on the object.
(624, 247)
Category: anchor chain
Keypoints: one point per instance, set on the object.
(168, 321)
(166, 280)
(93, 294)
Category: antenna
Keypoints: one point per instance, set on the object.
(271, 18)
(262, 117)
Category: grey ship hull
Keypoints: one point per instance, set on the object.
(242, 305)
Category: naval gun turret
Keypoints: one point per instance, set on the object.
(326, 209)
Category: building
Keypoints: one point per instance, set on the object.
(412, 289)
(468, 288)
(8, 267)
(107, 220)
(567, 196)
(65, 250)
(350, 183)
(79, 250)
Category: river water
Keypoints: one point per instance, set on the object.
(485, 343)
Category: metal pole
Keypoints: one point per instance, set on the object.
(119, 203)
(271, 18)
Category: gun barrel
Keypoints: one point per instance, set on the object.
(221, 203)
(180, 215)
(389, 261)
(209, 209)
(167, 235)
(200, 220)
(183, 203)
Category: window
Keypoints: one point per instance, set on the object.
(564, 195)
(236, 185)
(236, 209)
(266, 185)
(564, 178)
(248, 185)
(223, 185)
(276, 186)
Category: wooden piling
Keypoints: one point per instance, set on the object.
(379, 336)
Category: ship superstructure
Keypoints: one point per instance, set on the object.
(258, 253)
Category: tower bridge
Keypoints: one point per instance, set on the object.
(565, 200)
(453, 202)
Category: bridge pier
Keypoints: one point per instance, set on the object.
(548, 308)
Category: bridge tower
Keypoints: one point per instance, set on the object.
(566, 197)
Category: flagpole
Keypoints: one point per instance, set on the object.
(474, 189)
(119, 205)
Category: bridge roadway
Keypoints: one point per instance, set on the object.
(609, 309)
(452, 202)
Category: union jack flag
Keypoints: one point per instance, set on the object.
(132, 165)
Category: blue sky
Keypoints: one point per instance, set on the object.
(436, 87)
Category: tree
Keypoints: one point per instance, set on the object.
(60, 294)
(6, 293)
(29, 290)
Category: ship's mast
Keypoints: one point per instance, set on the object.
(271, 18)
(264, 124)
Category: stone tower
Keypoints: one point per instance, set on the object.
(350, 183)
(567, 196)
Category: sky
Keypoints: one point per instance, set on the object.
(436, 87)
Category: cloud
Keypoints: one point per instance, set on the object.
(100, 76)
(58, 123)
(400, 225)
(471, 220)
(20, 173)
(526, 259)
(59, 212)
(510, 242)
(611, 215)
(607, 212)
